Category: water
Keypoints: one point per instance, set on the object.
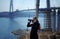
(8, 25)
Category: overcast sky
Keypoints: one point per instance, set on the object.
(25, 4)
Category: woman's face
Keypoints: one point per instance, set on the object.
(34, 19)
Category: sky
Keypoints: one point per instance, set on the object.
(26, 4)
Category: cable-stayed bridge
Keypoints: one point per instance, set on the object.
(26, 13)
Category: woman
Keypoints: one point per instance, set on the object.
(35, 27)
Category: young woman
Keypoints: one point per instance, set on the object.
(35, 27)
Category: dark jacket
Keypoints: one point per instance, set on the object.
(35, 26)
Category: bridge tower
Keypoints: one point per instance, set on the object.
(48, 17)
(11, 9)
(48, 4)
(58, 26)
(37, 7)
(11, 6)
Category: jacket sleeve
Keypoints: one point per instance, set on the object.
(39, 27)
(29, 25)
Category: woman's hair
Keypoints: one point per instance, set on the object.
(35, 18)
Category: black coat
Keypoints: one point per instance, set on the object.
(35, 26)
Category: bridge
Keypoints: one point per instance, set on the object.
(41, 10)
(24, 13)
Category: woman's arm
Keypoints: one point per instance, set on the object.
(29, 25)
